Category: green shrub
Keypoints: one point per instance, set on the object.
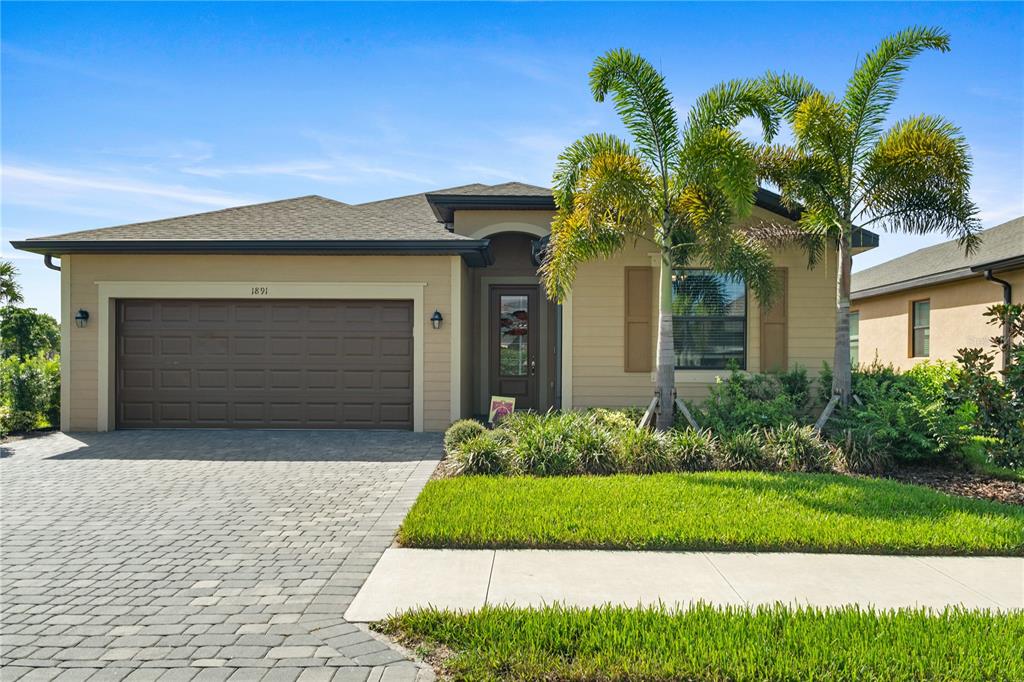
(742, 451)
(461, 431)
(484, 453)
(860, 458)
(908, 417)
(743, 401)
(797, 448)
(999, 419)
(561, 443)
(27, 389)
(692, 450)
(642, 451)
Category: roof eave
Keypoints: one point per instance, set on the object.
(476, 252)
(917, 282)
(1002, 264)
(445, 205)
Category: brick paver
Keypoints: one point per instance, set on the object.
(200, 555)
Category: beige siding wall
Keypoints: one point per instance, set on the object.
(956, 319)
(599, 377)
(434, 271)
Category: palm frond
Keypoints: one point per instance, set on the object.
(574, 161)
(788, 91)
(721, 160)
(614, 200)
(642, 101)
(781, 234)
(875, 82)
(917, 180)
(820, 127)
(726, 104)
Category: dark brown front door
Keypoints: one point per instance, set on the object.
(514, 344)
(264, 364)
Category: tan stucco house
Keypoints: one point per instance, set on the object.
(406, 313)
(930, 303)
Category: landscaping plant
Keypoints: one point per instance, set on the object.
(30, 392)
(905, 417)
(999, 395)
(461, 431)
(680, 187)
(846, 172)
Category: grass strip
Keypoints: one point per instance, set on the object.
(706, 643)
(710, 511)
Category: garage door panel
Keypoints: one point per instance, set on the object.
(276, 364)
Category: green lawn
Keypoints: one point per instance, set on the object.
(716, 511)
(704, 643)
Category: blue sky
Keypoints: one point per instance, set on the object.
(115, 113)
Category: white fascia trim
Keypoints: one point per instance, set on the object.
(111, 291)
(455, 330)
(567, 353)
(65, 343)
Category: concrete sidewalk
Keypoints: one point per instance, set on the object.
(469, 579)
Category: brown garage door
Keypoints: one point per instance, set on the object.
(264, 364)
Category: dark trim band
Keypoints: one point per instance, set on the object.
(476, 252)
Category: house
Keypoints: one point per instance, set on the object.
(406, 313)
(930, 303)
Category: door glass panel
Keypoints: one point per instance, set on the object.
(513, 351)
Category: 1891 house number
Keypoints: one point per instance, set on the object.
(260, 291)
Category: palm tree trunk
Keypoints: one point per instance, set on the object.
(666, 370)
(841, 371)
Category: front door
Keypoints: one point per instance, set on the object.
(514, 343)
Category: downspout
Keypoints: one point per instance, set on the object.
(48, 262)
(1007, 300)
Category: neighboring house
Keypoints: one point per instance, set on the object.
(405, 313)
(930, 303)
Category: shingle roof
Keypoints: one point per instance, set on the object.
(508, 189)
(302, 218)
(941, 262)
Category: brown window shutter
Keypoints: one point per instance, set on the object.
(775, 328)
(639, 356)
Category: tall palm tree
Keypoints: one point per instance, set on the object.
(680, 187)
(10, 290)
(848, 172)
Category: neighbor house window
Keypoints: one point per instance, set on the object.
(854, 339)
(920, 328)
(709, 320)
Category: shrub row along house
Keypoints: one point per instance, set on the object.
(406, 313)
(931, 303)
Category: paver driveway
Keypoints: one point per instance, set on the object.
(179, 555)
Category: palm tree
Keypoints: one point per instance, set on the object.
(10, 290)
(682, 188)
(847, 172)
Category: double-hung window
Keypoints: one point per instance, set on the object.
(709, 319)
(920, 328)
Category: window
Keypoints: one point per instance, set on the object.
(709, 320)
(920, 327)
(854, 339)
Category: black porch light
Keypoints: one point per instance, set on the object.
(81, 318)
(436, 319)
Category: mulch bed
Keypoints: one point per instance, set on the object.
(960, 482)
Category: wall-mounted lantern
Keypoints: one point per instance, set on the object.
(81, 318)
(436, 319)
